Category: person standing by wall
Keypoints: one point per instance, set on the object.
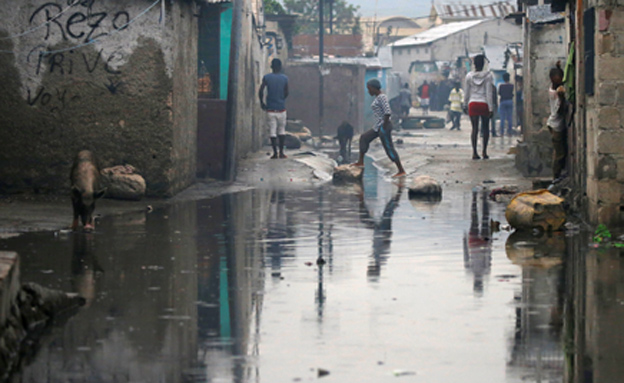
(276, 84)
(505, 109)
(556, 121)
(478, 95)
(382, 128)
(456, 98)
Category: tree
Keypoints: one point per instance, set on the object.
(273, 7)
(344, 16)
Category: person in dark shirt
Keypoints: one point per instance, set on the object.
(505, 109)
(275, 106)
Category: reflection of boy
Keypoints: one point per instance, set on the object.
(277, 91)
(478, 243)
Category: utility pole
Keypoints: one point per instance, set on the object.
(331, 17)
(321, 32)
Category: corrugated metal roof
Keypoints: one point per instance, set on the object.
(216, 1)
(472, 10)
(436, 33)
(369, 62)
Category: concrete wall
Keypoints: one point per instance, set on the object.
(545, 44)
(449, 48)
(343, 96)
(251, 68)
(130, 97)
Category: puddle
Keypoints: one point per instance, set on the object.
(230, 290)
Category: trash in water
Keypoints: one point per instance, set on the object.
(403, 373)
(322, 372)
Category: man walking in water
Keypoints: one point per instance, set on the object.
(382, 128)
(277, 91)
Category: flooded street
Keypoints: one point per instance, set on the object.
(229, 290)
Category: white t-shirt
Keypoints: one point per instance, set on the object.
(555, 120)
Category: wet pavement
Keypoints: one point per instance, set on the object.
(230, 289)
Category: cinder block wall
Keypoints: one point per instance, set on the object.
(604, 119)
(130, 96)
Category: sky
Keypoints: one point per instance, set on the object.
(409, 8)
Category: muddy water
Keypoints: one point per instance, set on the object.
(229, 290)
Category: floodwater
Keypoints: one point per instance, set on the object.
(229, 290)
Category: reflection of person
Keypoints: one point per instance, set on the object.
(456, 99)
(278, 234)
(478, 243)
(406, 100)
(478, 96)
(382, 128)
(506, 94)
(382, 231)
(275, 107)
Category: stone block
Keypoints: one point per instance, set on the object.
(620, 94)
(609, 118)
(607, 93)
(609, 68)
(610, 142)
(607, 168)
(609, 192)
(616, 19)
(605, 43)
(620, 170)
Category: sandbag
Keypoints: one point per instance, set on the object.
(536, 209)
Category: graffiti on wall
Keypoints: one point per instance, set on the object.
(274, 44)
(58, 31)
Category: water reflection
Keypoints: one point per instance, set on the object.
(536, 353)
(478, 242)
(382, 231)
(227, 290)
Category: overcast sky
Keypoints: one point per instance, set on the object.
(409, 8)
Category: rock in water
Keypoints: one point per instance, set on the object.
(345, 174)
(425, 186)
(122, 182)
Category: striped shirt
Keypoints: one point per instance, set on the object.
(381, 108)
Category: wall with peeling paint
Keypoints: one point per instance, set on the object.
(116, 77)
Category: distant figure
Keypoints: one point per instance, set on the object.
(382, 128)
(344, 135)
(494, 115)
(456, 98)
(423, 93)
(519, 102)
(406, 100)
(478, 94)
(275, 107)
(433, 96)
(506, 94)
(556, 121)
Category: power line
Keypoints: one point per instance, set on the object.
(39, 26)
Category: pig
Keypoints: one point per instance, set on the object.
(85, 189)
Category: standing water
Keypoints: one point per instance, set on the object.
(339, 284)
